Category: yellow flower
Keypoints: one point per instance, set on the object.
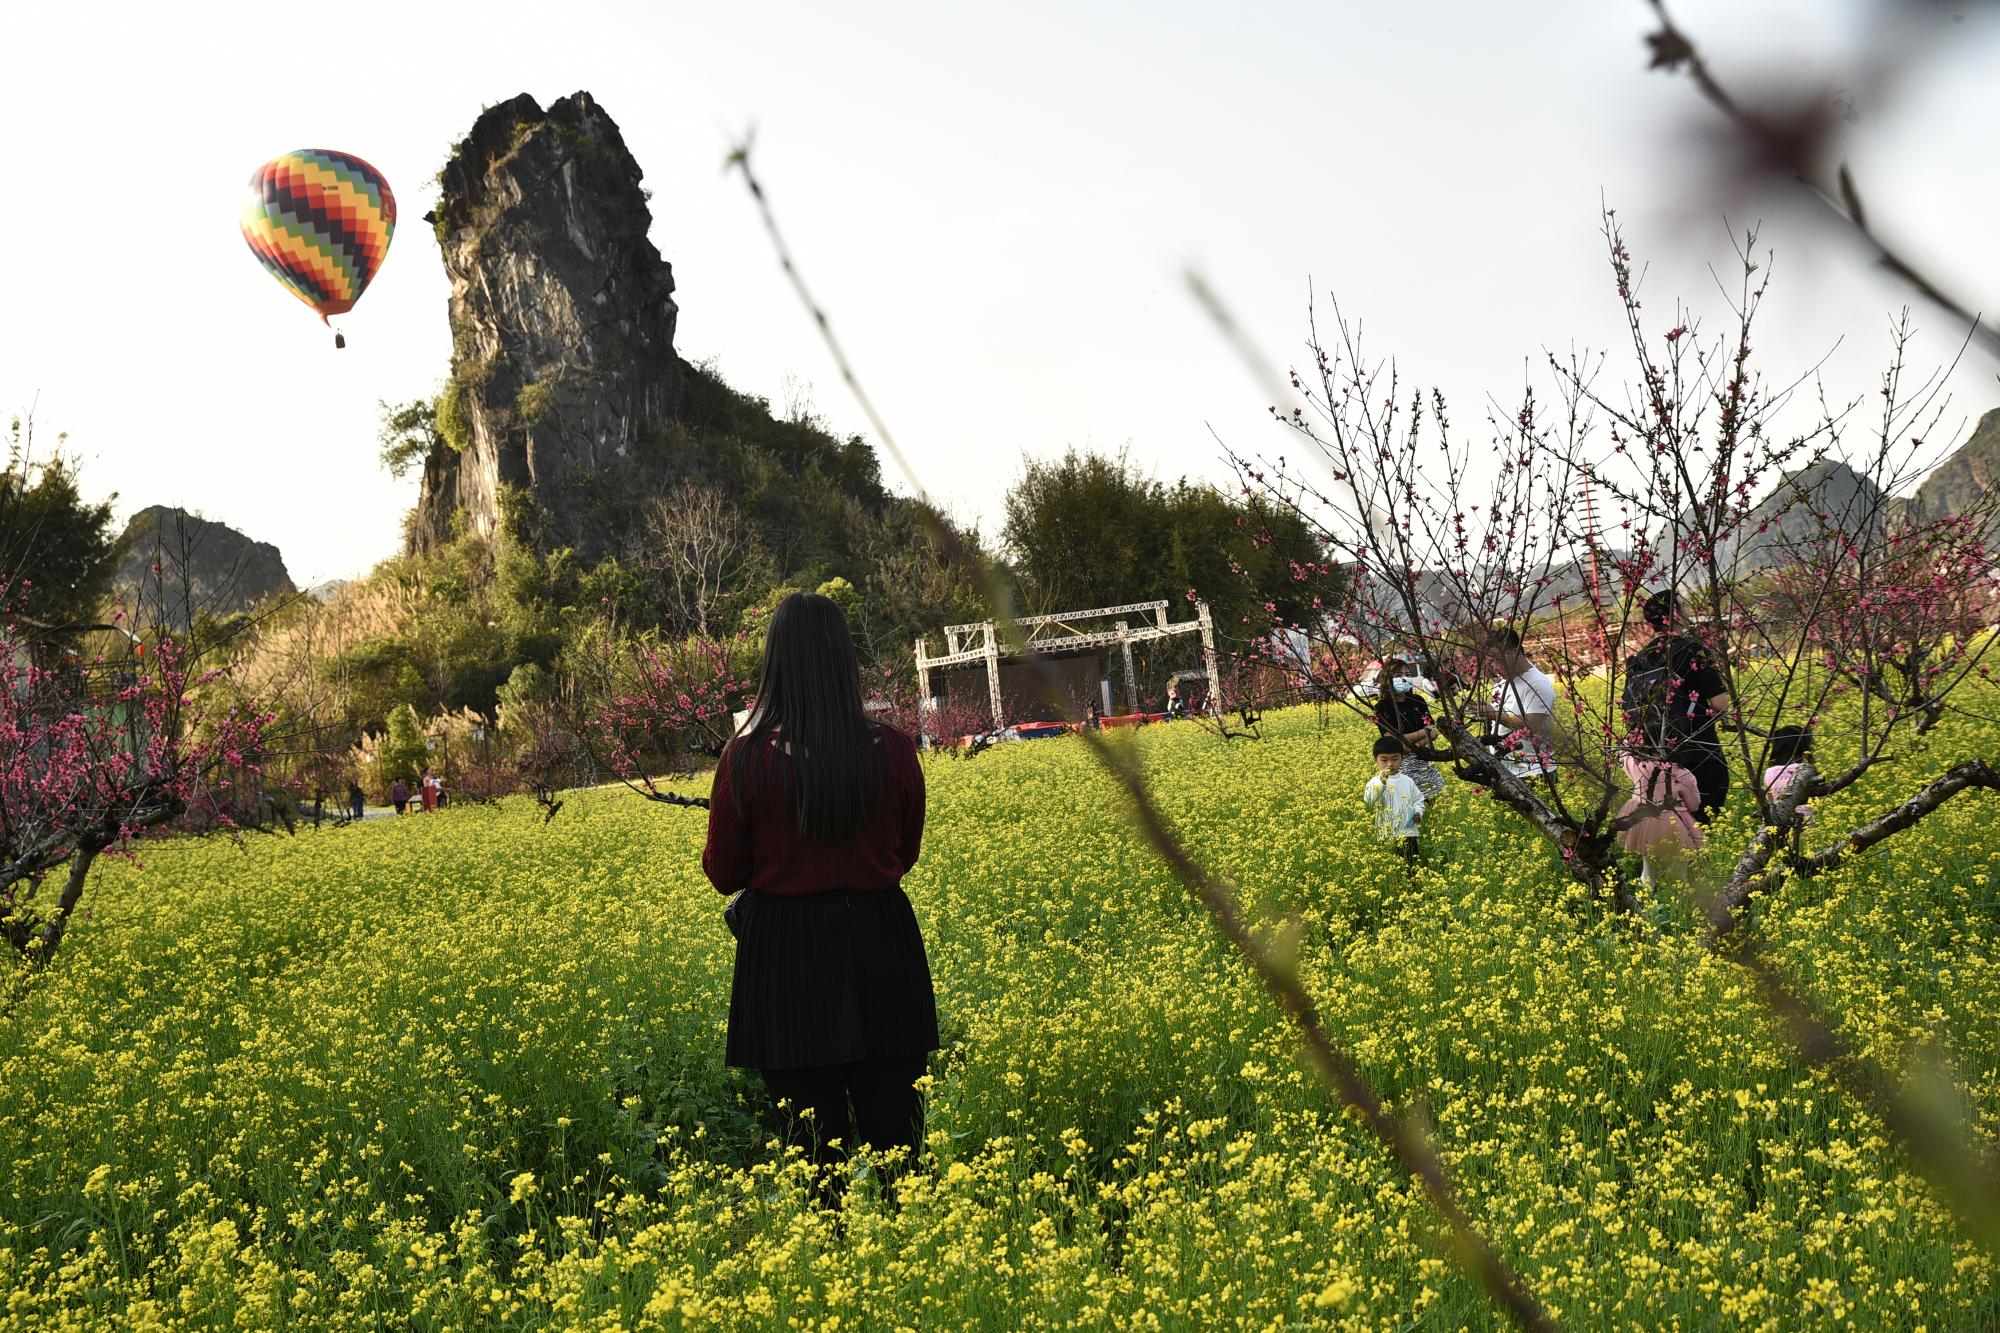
(1337, 1292)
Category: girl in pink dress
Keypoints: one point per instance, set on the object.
(1661, 812)
(1790, 752)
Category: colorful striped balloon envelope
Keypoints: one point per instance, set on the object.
(320, 221)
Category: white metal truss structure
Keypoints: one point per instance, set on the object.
(1065, 632)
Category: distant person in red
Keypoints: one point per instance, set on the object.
(818, 812)
(432, 789)
(399, 795)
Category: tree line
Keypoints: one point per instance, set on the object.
(484, 642)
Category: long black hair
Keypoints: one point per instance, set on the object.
(1790, 745)
(808, 719)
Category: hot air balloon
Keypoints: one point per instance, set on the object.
(320, 222)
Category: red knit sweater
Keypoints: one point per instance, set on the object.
(756, 843)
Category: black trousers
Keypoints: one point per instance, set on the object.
(1711, 776)
(888, 1111)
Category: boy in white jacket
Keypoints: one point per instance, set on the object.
(1394, 796)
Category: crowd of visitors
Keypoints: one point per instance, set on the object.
(1673, 703)
(428, 795)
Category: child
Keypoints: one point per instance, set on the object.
(1659, 819)
(1393, 795)
(1790, 751)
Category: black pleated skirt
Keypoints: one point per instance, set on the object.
(826, 978)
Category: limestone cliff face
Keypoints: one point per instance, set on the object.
(564, 383)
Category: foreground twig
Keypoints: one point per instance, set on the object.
(1789, 145)
(1470, 1248)
(1967, 1176)
(1410, 1146)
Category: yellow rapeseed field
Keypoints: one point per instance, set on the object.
(465, 1071)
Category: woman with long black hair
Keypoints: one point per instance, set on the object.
(819, 813)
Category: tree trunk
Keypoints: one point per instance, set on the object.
(43, 944)
(1957, 778)
(1589, 861)
(38, 943)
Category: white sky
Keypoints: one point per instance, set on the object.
(994, 203)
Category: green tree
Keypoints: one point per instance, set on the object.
(404, 751)
(919, 572)
(843, 595)
(1089, 530)
(527, 688)
(1086, 531)
(58, 555)
(408, 433)
(757, 616)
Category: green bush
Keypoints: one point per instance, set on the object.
(532, 402)
(451, 424)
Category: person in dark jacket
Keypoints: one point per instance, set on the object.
(817, 814)
(1696, 691)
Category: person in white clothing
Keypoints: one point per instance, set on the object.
(1394, 796)
(1522, 709)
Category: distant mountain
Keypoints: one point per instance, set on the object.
(1964, 479)
(1826, 495)
(1831, 495)
(205, 568)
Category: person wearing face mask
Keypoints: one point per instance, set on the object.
(1402, 712)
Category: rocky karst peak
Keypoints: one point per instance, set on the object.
(564, 383)
(180, 565)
